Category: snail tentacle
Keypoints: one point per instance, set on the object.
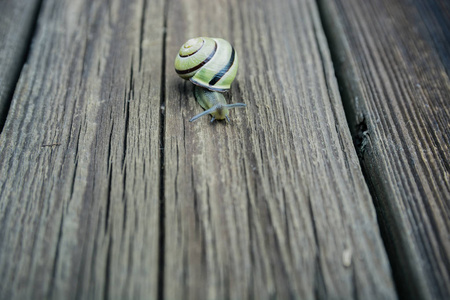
(206, 112)
(233, 105)
(218, 111)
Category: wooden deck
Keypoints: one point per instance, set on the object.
(333, 183)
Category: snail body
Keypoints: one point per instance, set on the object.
(211, 64)
(214, 103)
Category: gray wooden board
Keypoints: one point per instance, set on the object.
(17, 18)
(274, 205)
(394, 65)
(80, 155)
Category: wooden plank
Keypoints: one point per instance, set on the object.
(274, 205)
(80, 157)
(393, 61)
(17, 18)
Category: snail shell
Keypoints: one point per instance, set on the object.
(210, 63)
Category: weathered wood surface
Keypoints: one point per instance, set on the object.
(17, 18)
(269, 206)
(80, 156)
(107, 191)
(393, 63)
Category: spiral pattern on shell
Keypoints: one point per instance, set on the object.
(211, 63)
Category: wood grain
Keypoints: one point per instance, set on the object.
(393, 62)
(80, 157)
(17, 18)
(274, 205)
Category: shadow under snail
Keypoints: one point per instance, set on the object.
(211, 64)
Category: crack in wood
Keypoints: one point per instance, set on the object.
(141, 32)
(18, 53)
(108, 268)
(361, 138)
(161, 238)
(56, 257)
(319, 284)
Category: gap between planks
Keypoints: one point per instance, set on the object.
(409, 263)
(360, 137)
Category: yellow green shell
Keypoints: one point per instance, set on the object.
(211, 63)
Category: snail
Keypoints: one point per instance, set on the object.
(211, 64)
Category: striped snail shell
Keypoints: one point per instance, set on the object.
(210, 63)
